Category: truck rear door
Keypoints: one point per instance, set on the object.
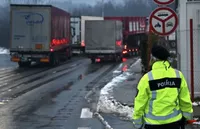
(100, 37)
(30, 28)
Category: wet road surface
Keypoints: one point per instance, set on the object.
(116, 98)
(74, 95)
(51, 98)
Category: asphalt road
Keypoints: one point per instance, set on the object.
(74, 95)
(51, 98)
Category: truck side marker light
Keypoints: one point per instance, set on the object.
(15, 59)
(44, 60)
(51, 50)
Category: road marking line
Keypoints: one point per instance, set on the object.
(86, 113)
(84, 128)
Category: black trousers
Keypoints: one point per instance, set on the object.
(175, 125)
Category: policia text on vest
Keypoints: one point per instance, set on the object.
(164, 83)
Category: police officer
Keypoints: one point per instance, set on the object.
(163, 98)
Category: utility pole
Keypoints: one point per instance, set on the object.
(176, 4)
(102, 13)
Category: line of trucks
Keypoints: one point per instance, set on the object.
(47, 34)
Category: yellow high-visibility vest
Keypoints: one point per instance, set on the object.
(163, 97)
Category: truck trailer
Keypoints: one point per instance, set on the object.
(134, 30)
(78, 26)
(39, 33)
(103, 40)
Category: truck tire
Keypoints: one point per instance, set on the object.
(69, 57)
(93, 61)
(121, 59)
(24, 64)
(54, 60)
(118, 58)
(69, 53)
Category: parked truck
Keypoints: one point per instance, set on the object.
(78, 26)
(39, 33)
(103, 40)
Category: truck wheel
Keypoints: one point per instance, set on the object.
(54, 60)
(24, 64)
(117, 58)
(69, 57)
(69, 53)
(93, 61)
(57, 60)
(121, 58)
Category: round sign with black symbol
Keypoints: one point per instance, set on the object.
(163, 21)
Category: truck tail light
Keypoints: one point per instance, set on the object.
(51, 50)
(119, 43)
(38, 46)
(98, 60)
(15, 59)
(125, 46)
(82, 43)
(124, 52)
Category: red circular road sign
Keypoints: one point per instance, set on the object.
(163, 2)
(163, 21)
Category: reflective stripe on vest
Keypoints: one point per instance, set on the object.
(138, 123)
(154, 94)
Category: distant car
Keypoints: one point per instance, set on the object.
(169, 24)
(157, 25)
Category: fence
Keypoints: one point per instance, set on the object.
(188, 47)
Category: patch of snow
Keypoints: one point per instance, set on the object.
(107, 103)
(196, 103)
(4, 51)
(196, 123)
(118, 70)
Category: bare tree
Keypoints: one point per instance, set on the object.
(111, 8)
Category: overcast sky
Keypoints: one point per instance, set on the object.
(86, 1)
(73, 1)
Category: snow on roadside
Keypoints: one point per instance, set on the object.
(196, 123)
(4, 51)
(107, 104)
(196, 103)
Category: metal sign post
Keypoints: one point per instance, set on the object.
(163, 21)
